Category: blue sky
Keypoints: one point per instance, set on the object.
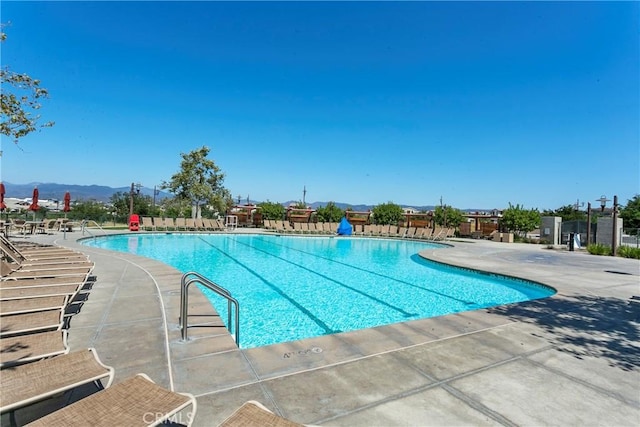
(480, 103)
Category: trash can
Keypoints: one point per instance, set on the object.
(134, 222)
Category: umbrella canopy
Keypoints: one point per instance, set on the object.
(67, 202)
(34, 200)
(3, 206)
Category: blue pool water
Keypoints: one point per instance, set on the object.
(292, 287)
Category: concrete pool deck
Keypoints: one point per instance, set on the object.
(572, 359)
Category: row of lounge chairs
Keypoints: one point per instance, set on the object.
(369, 230)
(46, 226)
(280, 226)
(181, 224)
(39, 285)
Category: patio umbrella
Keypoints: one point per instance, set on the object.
(34, 202)
(3, 206)
(67, 202)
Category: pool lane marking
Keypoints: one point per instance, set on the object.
(378, 300)
(317, 321)
(371, 272)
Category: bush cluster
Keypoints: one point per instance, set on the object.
(598, 249)
(629, 252)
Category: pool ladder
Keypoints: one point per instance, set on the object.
(193, 277)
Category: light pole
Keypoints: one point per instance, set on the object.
(155, 193)
(588, 223)
(614, 232)
(131, 200)
(603, 202)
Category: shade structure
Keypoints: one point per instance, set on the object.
(3, 206)
(67, 202)
(34, 200)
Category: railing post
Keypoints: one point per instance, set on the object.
(184, 304)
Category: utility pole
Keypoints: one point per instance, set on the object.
(614, 232)
(131, 200)
(588, 223)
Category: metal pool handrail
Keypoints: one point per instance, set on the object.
(185, 282)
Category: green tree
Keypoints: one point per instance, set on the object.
(447, 216)
(272, 210)
(329, 213)
(630, 215)
(20, 98)
(567, 213)
(519, 220)
(142, 205)
(90, 210)
(200, 182)
(174, 207)
(387, 213)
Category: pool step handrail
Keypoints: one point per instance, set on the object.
(194, 277)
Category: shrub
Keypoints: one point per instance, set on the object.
(329, 213)
(629, 252)
(387, 213)
(272, 210)
(598, 249)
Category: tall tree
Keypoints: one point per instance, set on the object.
(272, 210)
(20, 98)
(567, 213)
(387, 213)
(142, 205)
(447, 216)
(630, 215)
(519, 220)
(329, 213)
(200, 181)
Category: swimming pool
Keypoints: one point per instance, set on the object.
(293, 287)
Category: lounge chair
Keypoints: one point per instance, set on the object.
(32, 382)
(69, 290)
(181, 224)
(30, 347)
(255, 414)
(427, 233)
(35, 252)
(136, 401)
(190, 224)
(147, 223)
(22, 259)
(329, 228)
(169, 224)
(411, 231)
(14, 324)
(10, 272)
(32, 304)
(439, 234)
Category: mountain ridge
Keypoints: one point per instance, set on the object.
(102, 193)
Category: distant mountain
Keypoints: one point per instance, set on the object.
(358, 208)
(53, 191)
(101, 193)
